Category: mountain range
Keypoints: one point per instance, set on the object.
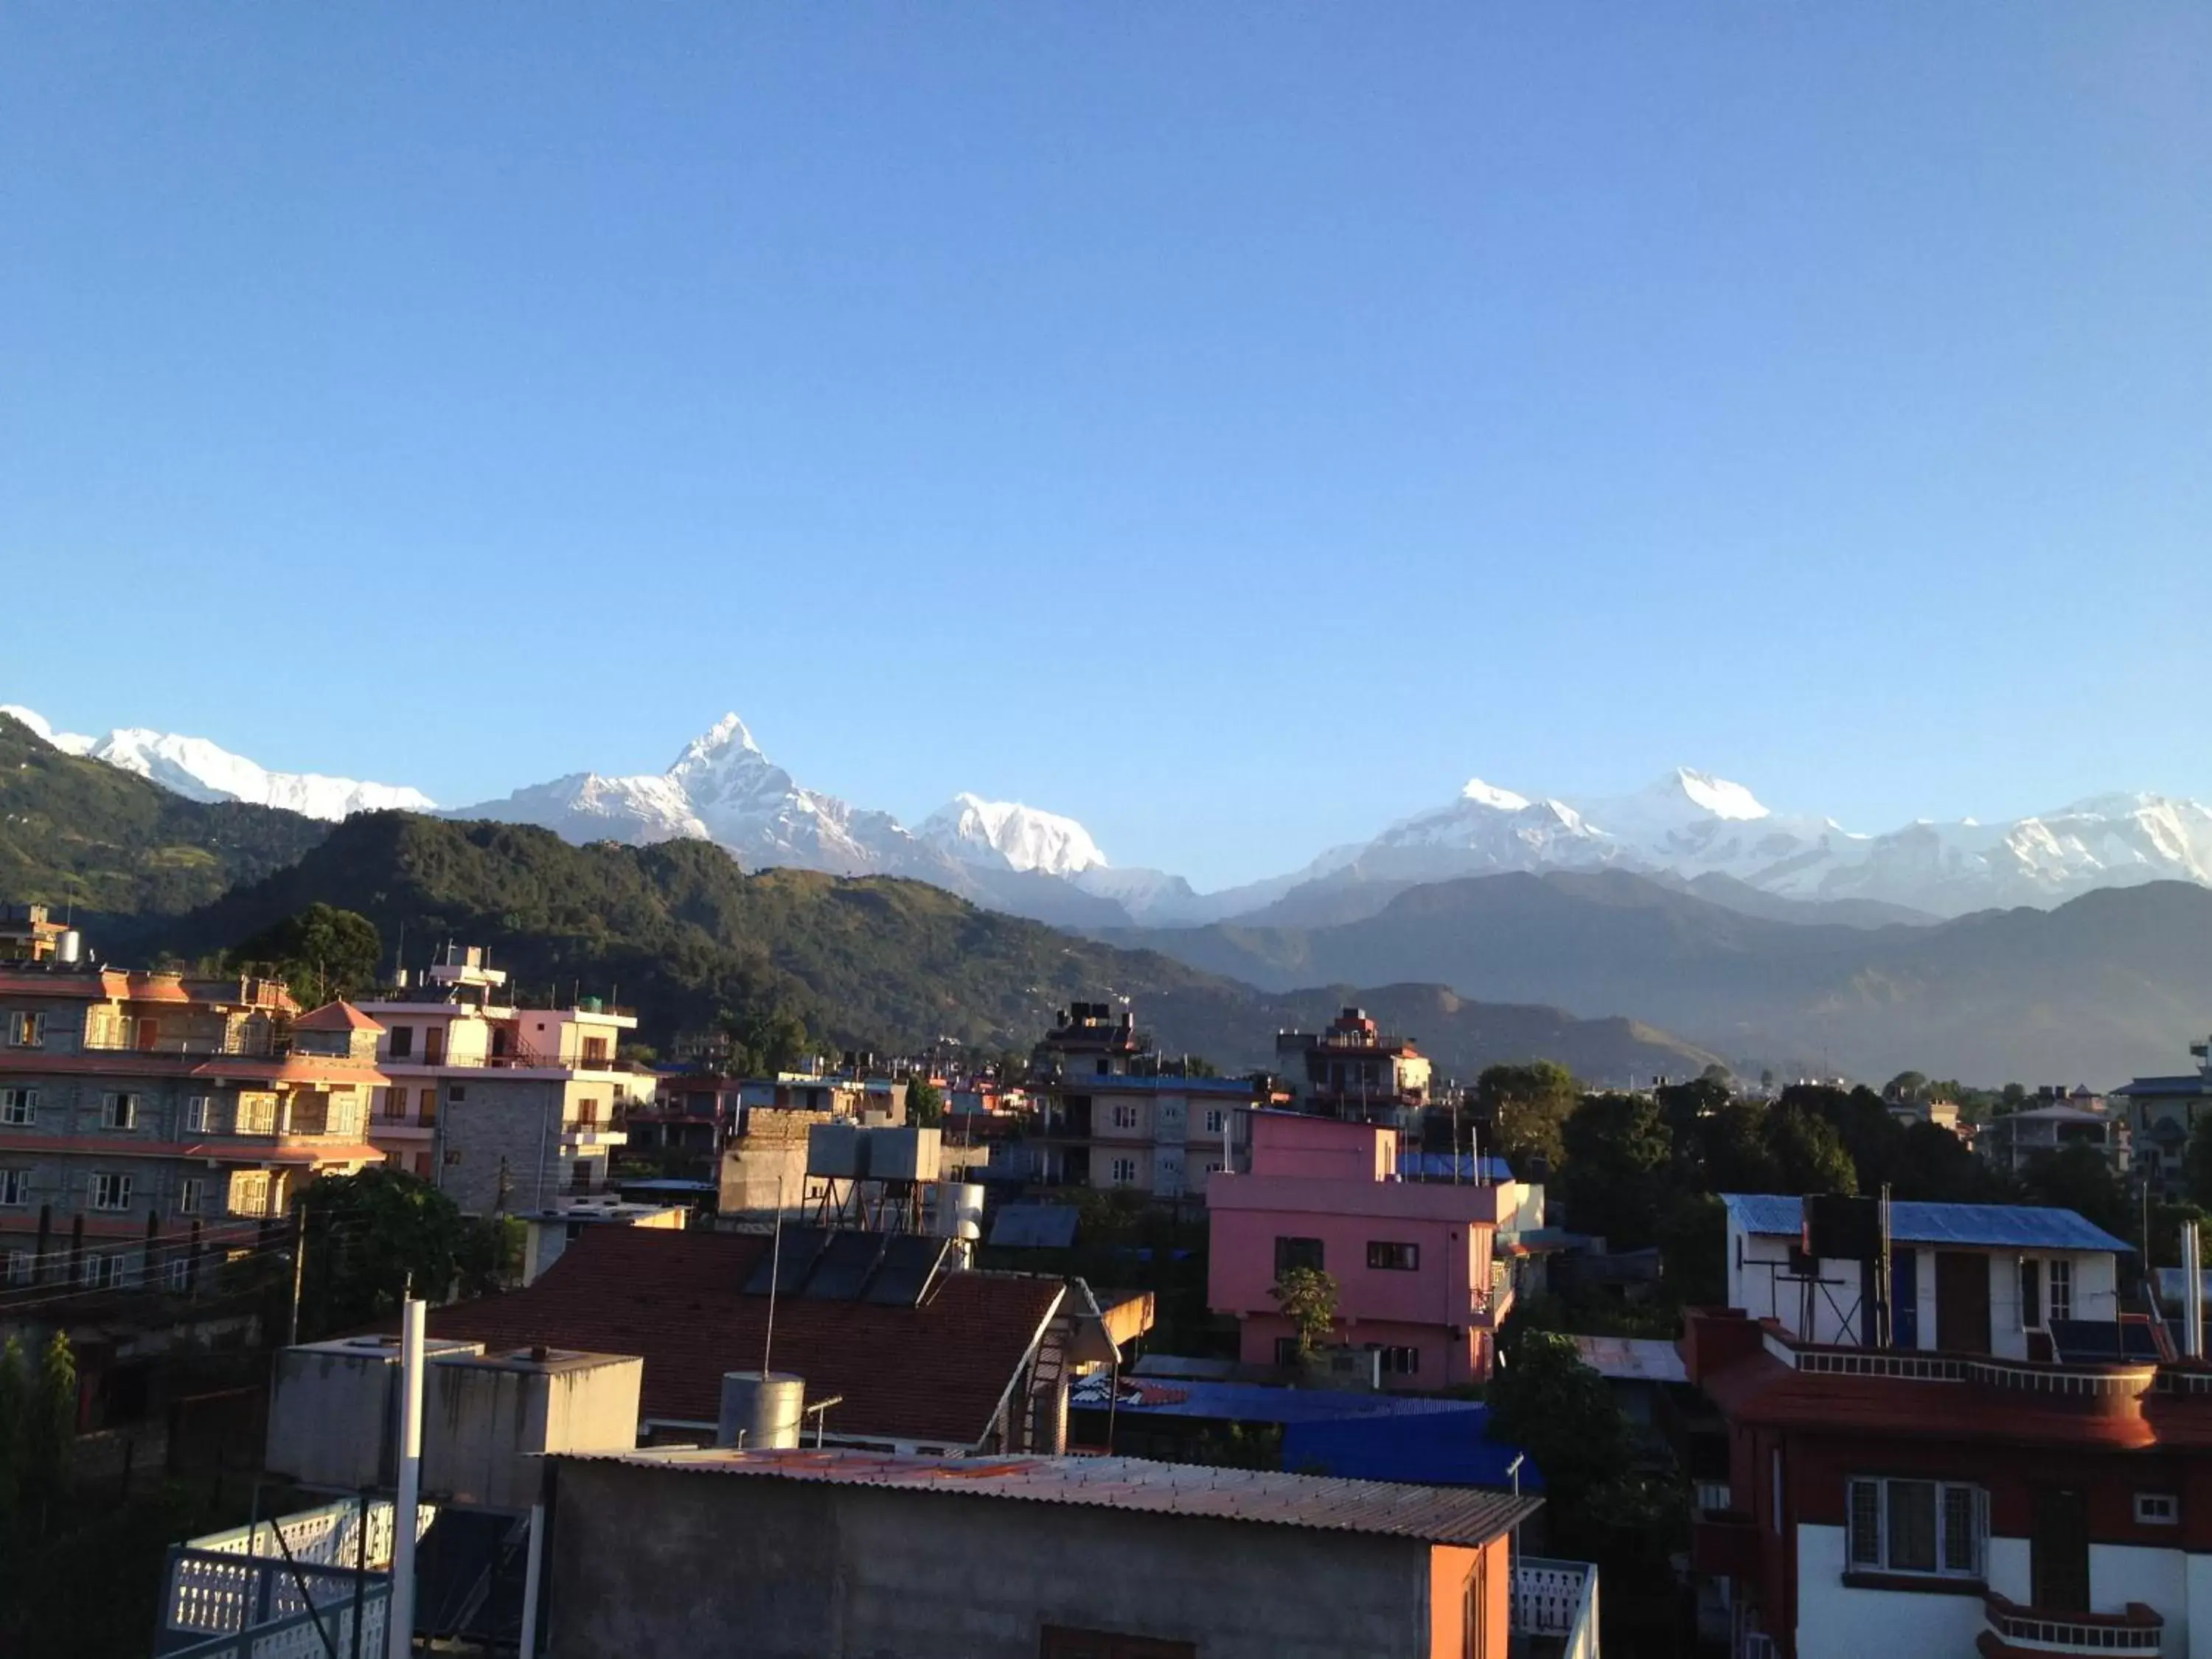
(1688, 830)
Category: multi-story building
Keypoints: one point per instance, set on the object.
(1925, 1504)
(506, 1107)
(2017, 1139)
(146, 1118)
(1114, 1114)
(1414, 1261)
(1352, 1070)
(2162, 1112)
(1993, 1278)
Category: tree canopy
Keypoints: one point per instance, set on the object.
(1527, 1106)
(322, 953)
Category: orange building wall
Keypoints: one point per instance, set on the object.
(1449, 1568)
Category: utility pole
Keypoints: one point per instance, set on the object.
(298, 1268)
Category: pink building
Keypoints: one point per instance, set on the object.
(1412, 1261)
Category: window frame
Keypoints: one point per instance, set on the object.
(1289, 1253)
(197, 1108)
(20, 1266)
(1114, 1171)
(26, 1028)
(191, 1194)
(117, 1189)
(2147, 1504)
(1216, 1120)
(1883, 1492)
(2058, 1289)
(1125, 1113)
(19, 1182)
(118, 1104)
(19, 1107)
(1393, 1255)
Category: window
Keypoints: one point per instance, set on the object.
(1400, 1258)
(110, 1192)
(587, 1114)
(403, 1042)
(426, 1106)
(119, 1111)
(2031, 1294)
(27, 1030)
(1216, 1120)
(457, 1091)
(1125, 1115)
(2061, 1275)
(15, 1188)
(1938, 1527)
(256, 1114)
(249, 1192)
(1400, 1361)
(2157, 1508)
(178, 1275)
(102, 1273)
(19, 1267)
(394, 1102)
(595, 1051)
(1286, 1352)
(1124, 1171)
(190, 1192)
(433, 1045)
(1297, 1253)
(18, 1106)
(196, 1114)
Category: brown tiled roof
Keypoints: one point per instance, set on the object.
(935, 1372)
(336, 1016)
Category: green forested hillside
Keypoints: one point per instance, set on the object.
(77, 833)
(679, 932)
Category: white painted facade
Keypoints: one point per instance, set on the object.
(1759, 1263)
(1835, 1621)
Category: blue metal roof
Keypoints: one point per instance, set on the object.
(1998, 1226)
(1254, 1402)
(2193, 1083)
(1444, 1449)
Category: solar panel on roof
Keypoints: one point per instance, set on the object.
(1034, 1226)
(2086, 1341)
(910, 1263)
(848, 1261)
(792, 1257)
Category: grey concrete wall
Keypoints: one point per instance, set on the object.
(517, 1118)
(665, 1565)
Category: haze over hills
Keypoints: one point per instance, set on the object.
(678, 928)
(2105, 986)
(1689, 827)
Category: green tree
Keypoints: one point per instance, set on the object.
(15, 1427)
(1906, 1086)
(1307, 1297)
(1544, 1400)
(768, 1040)
(1685, 1105)
(1693, 1250)
(371, 1236)
(1933, 1164)
(1528, 1107)
(1614, 1176)
(925, 1103)
(322, 953)
(2078, 1178)
(1732, 1151)
(1808, 1155)
(2197, 1164)
(49, 1443)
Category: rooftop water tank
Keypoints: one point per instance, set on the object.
(334, 1410)
(761, 1410)
(489, 1419)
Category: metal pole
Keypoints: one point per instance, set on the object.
(360, 1566)
(775, 1273)
(400, 1616)
(299, 1268)
(2192, 1256)
(530, 1577)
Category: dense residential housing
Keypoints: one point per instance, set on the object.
(144, 1116)
(2162, 1112)
(1419, 1281)
(504, 1107)
(1353, 1070)
(1115, 1114)
(2016, 1141)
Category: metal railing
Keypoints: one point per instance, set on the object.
(1557, 1599)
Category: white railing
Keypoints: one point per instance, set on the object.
(1559, 1599)
(235, 1593)
(1714, 1495)
(2139, 1630)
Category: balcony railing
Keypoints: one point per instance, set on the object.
(1558, 1599)
(283, 1587)
(249, 1045)
(2138, 1629)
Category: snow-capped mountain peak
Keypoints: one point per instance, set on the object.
(69, 742)
(201, 770)
(1711, 796)
(1007, 834)
(1489, 794)
(726, 740)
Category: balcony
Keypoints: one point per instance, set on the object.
(1555, 1608)
(250, 1044)
(283, 1586)
(2010, 1628)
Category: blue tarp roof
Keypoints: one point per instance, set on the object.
(1443, 1448)
(1256, 1402)
(1989, 1225)
(1437, 1166)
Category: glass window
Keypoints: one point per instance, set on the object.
(110, 1192)
(2062, 1290)
(402, 1042)
(1124, 1171)
(1934, 1526)
(18, 1106)
(189, 1193)
(2031, 1294)
(1297, 1253)
(1400, 1258)
(119, 1111)
(27, 1030)
(1911, 1521)
(2158, 1509)
(1215, 1120)
(196, 1114)
(14, 1187)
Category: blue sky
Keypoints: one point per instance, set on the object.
(1232, 425)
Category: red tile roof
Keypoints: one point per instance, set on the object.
(336, 1016)
(932, 1373)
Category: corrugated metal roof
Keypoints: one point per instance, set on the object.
(1987, 1225)
(1632, 1358)
(1435, 1515)
(2193, 1083)
(1453, 1448)
(1248, 1402)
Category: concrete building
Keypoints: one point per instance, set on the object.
(2018, 1139)
(839, 1555)
(1989, 1278)
(1352, 1070)
(505, 1107)
(1926, 1505)
(2162, 1113)
(1112, 1114)
(1418, 1277)
(148, 1121)
(549, 1232)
